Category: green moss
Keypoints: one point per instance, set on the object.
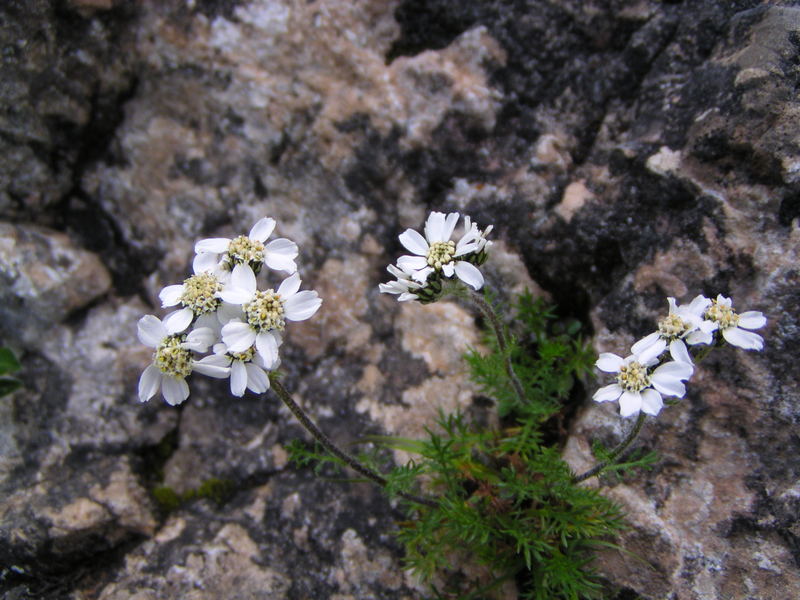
(167, 499)
(217, 490)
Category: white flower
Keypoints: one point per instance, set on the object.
(249, 250)
(247, 369)
(638, 388)
(436, 252)
(173, 360)
(734, 326)
(199, 294)
(264, 312)
(472, 233)
(404, 285)
(683, 325)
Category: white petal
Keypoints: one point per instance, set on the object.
(422, 274)
(699, 304)
(205, 262)
(414, 242)
(469, 274)
(215, 245)
(676, 370)
(213, 366)
(179, 320)
(449, 269)
(651, 402)
(171, 295)
(175, 390)
(668, 385)
(699, 337)
(243, 278)
(257, 379)
(723, 300)
(279, 262)
(608, 393)
(649, 347)
(209, 320)
(465, 247)
(434, 227)
(679, 352)
(406, 297)
(289, 286)
(302, 305)
(284, 247)
(752, 319)
(630, 403)
(449, 226)
(238, 378)
(744, 339)
(151, 331)
(267, 348)
(608, 362)
(236, 296)
(149, 383)
(262, 230)
(200, 338)
(412, 264)
(238, 336)
(227, 312)
(220, 360)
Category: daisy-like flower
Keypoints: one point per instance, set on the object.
(173, 360)
(471, 230)
(264, 312)
(198, 295)
(404, 285)
(249, 249)
(734, 326)
(683, 325)
(638, 386)
(437, 253)
(247, 369)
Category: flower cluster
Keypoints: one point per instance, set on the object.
(221, 308)
(648, 373)
(436, 258)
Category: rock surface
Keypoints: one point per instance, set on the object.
(625, 151)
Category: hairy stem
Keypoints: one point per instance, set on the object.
(489, 313)
(326, 442)
(615, 453)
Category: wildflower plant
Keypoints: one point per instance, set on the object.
(502, 495)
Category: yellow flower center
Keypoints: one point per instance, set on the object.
(723, 315)
(242, 250)
(245, 356)
(633, 377)
(171, 358)
(265, 311)
(199, 293)
(672, 327)
(440, 253)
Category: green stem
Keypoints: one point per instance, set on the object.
(615, 453)
(489, 313)
(326, 442)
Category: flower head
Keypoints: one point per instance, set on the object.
(437, 256)
(404, 286)
(173, 360)
(639, 386)
(733, 326)
(683, 325)
(249, 250)
(247, 369)
(198, 294)
(265, 312)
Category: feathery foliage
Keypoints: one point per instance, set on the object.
(505, 497)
